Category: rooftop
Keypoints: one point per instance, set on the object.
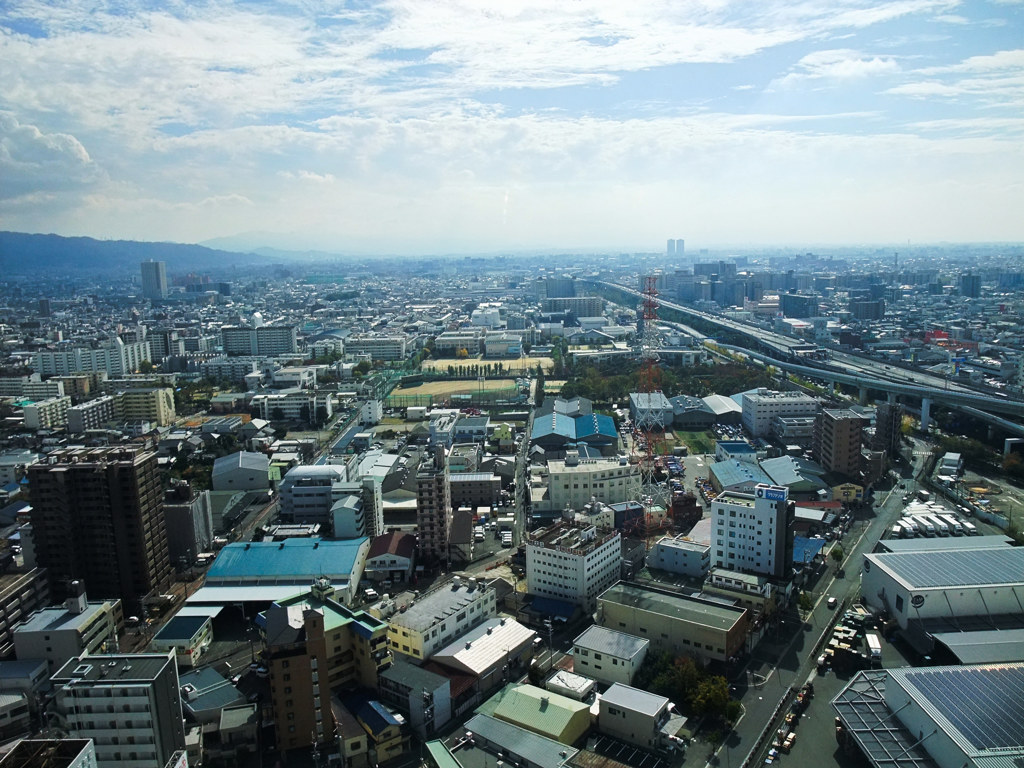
(296, 560)
(952, 568)
(481, 648)
(628, 697)
(534, 708)
(438, 604)
(46, 753)
(611, 641)
(114, 668)
(206, 689)
(58, 618)
(569, 537)
(681, 607)
(181, 628)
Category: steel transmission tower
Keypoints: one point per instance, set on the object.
(648, 435)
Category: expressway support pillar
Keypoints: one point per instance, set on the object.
(862, 396)
(893, 397)
(926, 413)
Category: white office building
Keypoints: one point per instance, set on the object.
(92, 414)
(761, 408)
(573, 482)
(421, 626)
(607, 655)
(572, 562)
(115, 357)
(378, 346)
(128, 704)
(681, 555)
(751, 531)
(48, 414)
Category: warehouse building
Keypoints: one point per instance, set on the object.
(936, 717)
(708, 630)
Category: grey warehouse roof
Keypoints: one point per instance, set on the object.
(953, 568)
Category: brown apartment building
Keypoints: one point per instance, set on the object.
(837, 441)
(315, 645)
(97, 517)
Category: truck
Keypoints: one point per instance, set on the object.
(909, 529)
(924, 495)
(940, 525)
(874, 646)
(954, 525)
(924, 527)
(970, 529)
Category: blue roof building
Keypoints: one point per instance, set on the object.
(280, 569)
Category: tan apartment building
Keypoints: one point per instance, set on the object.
(313, 645)
(705, 629)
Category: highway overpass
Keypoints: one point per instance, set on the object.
(778, 349)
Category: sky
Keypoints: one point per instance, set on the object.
(424, 126)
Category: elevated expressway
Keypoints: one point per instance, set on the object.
(864, 373)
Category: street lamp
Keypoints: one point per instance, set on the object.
(551, 645)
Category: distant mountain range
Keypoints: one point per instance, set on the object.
(22, 253)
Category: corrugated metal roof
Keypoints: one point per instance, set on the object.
(300, 560)
(954, 568)
(538, 710)
(482, 648)
(519, 742)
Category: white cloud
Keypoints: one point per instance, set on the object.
(994, 80)
(411, 118)
(33, 161)
(951, 18)
(837, 65)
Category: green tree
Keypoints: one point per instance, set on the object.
(538, 397)
(362, 368)
(710, 697)
(276, 414)
(805, 601)
(837, 554)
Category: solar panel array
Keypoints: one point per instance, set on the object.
(985, 704)
(956, 568)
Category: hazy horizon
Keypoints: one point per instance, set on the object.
(440, 126)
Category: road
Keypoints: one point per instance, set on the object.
(778, 666)
(339, 445)
(875, 374)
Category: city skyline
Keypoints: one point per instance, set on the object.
(415, 127)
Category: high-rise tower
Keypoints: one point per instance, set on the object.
(154, 279)
(97, 516)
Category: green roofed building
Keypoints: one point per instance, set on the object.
(542, 712)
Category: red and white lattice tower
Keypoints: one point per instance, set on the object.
(648, 429)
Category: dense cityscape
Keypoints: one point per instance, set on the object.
(684, 506)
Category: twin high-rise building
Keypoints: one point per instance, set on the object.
(154, 280)
(675, 247)
(97, 517)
